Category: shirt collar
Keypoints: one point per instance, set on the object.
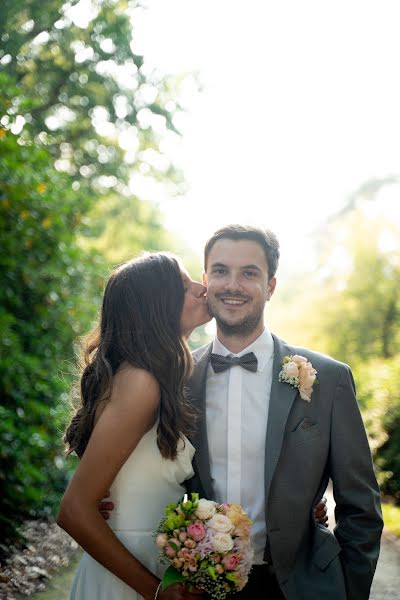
(263, 348)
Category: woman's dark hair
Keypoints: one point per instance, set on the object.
(139, 324)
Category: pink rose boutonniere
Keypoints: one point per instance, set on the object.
(298, 372)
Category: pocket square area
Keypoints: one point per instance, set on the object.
(305, 424)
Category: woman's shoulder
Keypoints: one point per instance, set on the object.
(134, 400)
(129, 373)
(135, 382)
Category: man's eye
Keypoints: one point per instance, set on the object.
(219, 271)
(250, 273)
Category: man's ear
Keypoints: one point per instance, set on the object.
(204, 279)
(271, 287)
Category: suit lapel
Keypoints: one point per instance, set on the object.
(280, 404)
(197, 389)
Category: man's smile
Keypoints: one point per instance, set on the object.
(232, 301)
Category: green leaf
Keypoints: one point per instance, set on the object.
(231, 577)
(174, 546)
(171, 576)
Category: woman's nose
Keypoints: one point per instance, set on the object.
(200, 289)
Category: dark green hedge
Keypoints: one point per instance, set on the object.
(43, 280)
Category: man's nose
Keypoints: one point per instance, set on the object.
(233, 282)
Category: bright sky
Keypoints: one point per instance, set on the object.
(300, 106)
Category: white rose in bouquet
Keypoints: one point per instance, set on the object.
(222, 542)
(221, 523)
(206, 509)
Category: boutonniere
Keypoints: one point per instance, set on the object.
(298, 372)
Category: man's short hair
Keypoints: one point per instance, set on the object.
(264, 237)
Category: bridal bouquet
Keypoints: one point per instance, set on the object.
(206, 545)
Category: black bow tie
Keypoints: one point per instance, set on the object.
(222, 363)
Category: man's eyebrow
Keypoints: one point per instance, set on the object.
(256, 267)
(217, 265)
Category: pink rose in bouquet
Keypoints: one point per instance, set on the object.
(196, 531)
(206, 545)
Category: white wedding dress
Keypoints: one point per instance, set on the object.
(144, 486)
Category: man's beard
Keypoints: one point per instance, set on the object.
(244, 327)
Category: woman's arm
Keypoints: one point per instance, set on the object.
(129, 414)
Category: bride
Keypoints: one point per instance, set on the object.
(130, 429)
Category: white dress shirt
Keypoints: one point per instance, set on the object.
(237, 415)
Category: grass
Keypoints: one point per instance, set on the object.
(391, 518)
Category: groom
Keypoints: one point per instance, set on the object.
(262, 443)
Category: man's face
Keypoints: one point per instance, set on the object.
(237, 286)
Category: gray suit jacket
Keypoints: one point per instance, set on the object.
(306, 444)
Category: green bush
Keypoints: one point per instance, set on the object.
(41, 313)
(378, 383)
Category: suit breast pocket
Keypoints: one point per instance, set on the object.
(305, 432)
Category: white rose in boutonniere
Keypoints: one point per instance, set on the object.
(298, 372)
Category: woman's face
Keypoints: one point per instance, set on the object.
(195, 309)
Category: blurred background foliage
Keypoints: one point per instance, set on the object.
(348, 306)
(82, 116)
